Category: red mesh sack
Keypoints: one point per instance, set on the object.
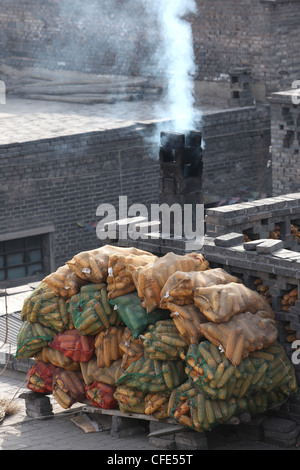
(40, 378)
(68, 387)
(101, 395)
(74, 345)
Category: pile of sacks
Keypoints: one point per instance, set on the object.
(168, 337)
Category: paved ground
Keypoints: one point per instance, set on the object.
(20, 432)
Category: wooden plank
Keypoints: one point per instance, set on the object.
(93, 409)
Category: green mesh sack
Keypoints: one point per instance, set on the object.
(150, 375)
(162, 341)
(194, 410)
(45, 307)
(31, 339)
(91, 311)
(130, 400)
(267, 370)
(134, 315)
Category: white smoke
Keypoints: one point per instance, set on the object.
(175, 59)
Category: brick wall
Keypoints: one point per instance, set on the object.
(61, 182)
(261, 35)
(236, 153)
(285, 124)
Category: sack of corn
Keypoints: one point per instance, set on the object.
(57, 358)
(92, 266)
(132, 349)
(91, 311)
(107, 375)
(107, 348)
(150, 375)
(242, 334)
(74, 345)
(40, 378)
(188, 320)
(134, 315)
(151, 279)
(268, 370)
(119, 280)
(220, 303)
(195, 411)
(179, 288)
(157, 405)
(162, 341)
(101, 396)
(64, 282)
(68, 387)
(31, 339)
(130, 400)
(45, 307)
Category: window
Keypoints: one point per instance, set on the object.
(22, 257)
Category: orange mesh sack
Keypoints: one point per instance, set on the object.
(132, 349)
(119, 280)
(220, 303)
(244, 333)
(179, 288)
(188, 320)
(64, 282)
(107, 375)
(107, 346)
(150, 280)
(40, 378)
(68, 387)
(92, 266)
(57, 358)
(75, 346)
(157, 404)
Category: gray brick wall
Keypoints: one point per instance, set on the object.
(261, 35)
(61, 182)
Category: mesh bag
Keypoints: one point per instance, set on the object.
(64, 282)
(268, 370)
(31, 338)
(107, 375)
(132, 349)
(163, 342)
(179, 288)
(57, 358)
(68, 387)
(92, 266)
(130, 400)
(220, 303)
(101, 396)
(40, 378)
(242, 334)
(91, 311)
(45, 307)
(157, 405)
(150, 280)
(188, 320)
(74, 345)
(196, 411)
(133, 314)
(107, 346)
(119, 280)
(150, 375)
